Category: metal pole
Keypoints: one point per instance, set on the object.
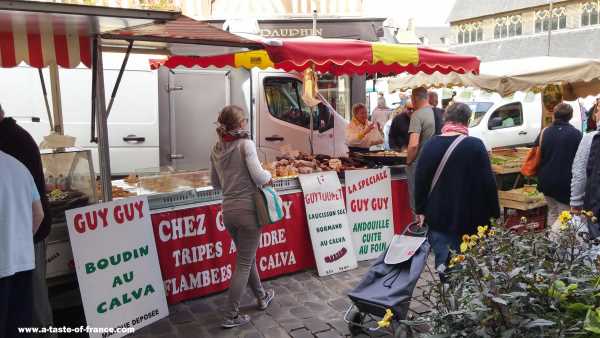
(46, 99)
(314, 22)
(101, 121)
(93, 137)
(550, 27)
(56, 100)
(121, 71)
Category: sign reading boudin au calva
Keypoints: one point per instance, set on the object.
(117, 265)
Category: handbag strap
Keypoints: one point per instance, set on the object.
(444, 160)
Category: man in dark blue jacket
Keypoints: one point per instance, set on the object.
(559, 144)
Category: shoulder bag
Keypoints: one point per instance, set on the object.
(533, 159)
(440, 168)
(269, 206)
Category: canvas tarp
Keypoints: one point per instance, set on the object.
(579, 77)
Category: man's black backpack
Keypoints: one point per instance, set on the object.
(591, 201)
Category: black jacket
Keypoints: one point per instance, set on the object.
(398, 134)
(559, 145)
(17, 142)
(465, 195)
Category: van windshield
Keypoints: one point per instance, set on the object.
(479, 109)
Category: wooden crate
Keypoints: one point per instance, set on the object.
(521, 195)
(513, 159)
(522, 205)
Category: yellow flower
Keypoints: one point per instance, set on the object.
(589, 214)
(563, 227)
(474, 238)
(481, 231)
(564, 217)
(492, 232)
(465, 238)
(594, 220)
(523, 220)
(464, 246)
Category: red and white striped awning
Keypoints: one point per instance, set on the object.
(41, 40)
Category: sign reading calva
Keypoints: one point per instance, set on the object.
(117, 264)
(328, 223)
(370, 211)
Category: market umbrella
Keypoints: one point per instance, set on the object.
(335, 56)
(579, 77)
(346, 56)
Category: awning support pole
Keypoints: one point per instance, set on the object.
(56, 100)
(48, 111)
(93, 137)
(119, 77)
(101, 122)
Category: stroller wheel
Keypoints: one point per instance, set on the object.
(356, 318)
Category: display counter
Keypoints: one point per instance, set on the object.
(196, 252)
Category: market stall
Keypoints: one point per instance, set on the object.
(199, 265)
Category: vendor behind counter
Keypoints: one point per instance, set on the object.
(360, 133)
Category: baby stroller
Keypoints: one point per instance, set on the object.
(386, 290)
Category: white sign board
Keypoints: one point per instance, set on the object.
(370, 213)
(328, 223)
(117, 265)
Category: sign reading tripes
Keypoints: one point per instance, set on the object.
(370, 211)
(328, 223)
(117, 264)
(197, 255)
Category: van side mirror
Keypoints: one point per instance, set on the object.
(495, 123)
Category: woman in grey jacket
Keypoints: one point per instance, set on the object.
(236, 170)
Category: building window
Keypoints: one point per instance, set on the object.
(543, 23)
(471, 32)
(508, 27)
(589, 14)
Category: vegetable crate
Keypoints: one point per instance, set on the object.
(508, 160)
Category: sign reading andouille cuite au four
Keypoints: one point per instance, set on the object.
(370, 211)
(117, 264)
(328, 223)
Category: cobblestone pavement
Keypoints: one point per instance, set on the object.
(305, 306)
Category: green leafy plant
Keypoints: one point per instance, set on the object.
(503, 284)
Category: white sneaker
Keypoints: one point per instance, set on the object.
(264, 303)
(239, 320)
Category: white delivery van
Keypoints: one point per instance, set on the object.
(190, 100)
(167, 117)
(132, 124)
(511, 121)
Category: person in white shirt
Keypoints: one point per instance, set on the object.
(381, 113)
(360, 133)
(20, 217)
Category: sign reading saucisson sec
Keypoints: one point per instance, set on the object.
(117, 264)
(328, 223)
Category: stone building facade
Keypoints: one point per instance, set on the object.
(495, 30)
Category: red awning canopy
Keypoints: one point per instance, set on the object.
(344, 56)
(40, 40)
(335, 56)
